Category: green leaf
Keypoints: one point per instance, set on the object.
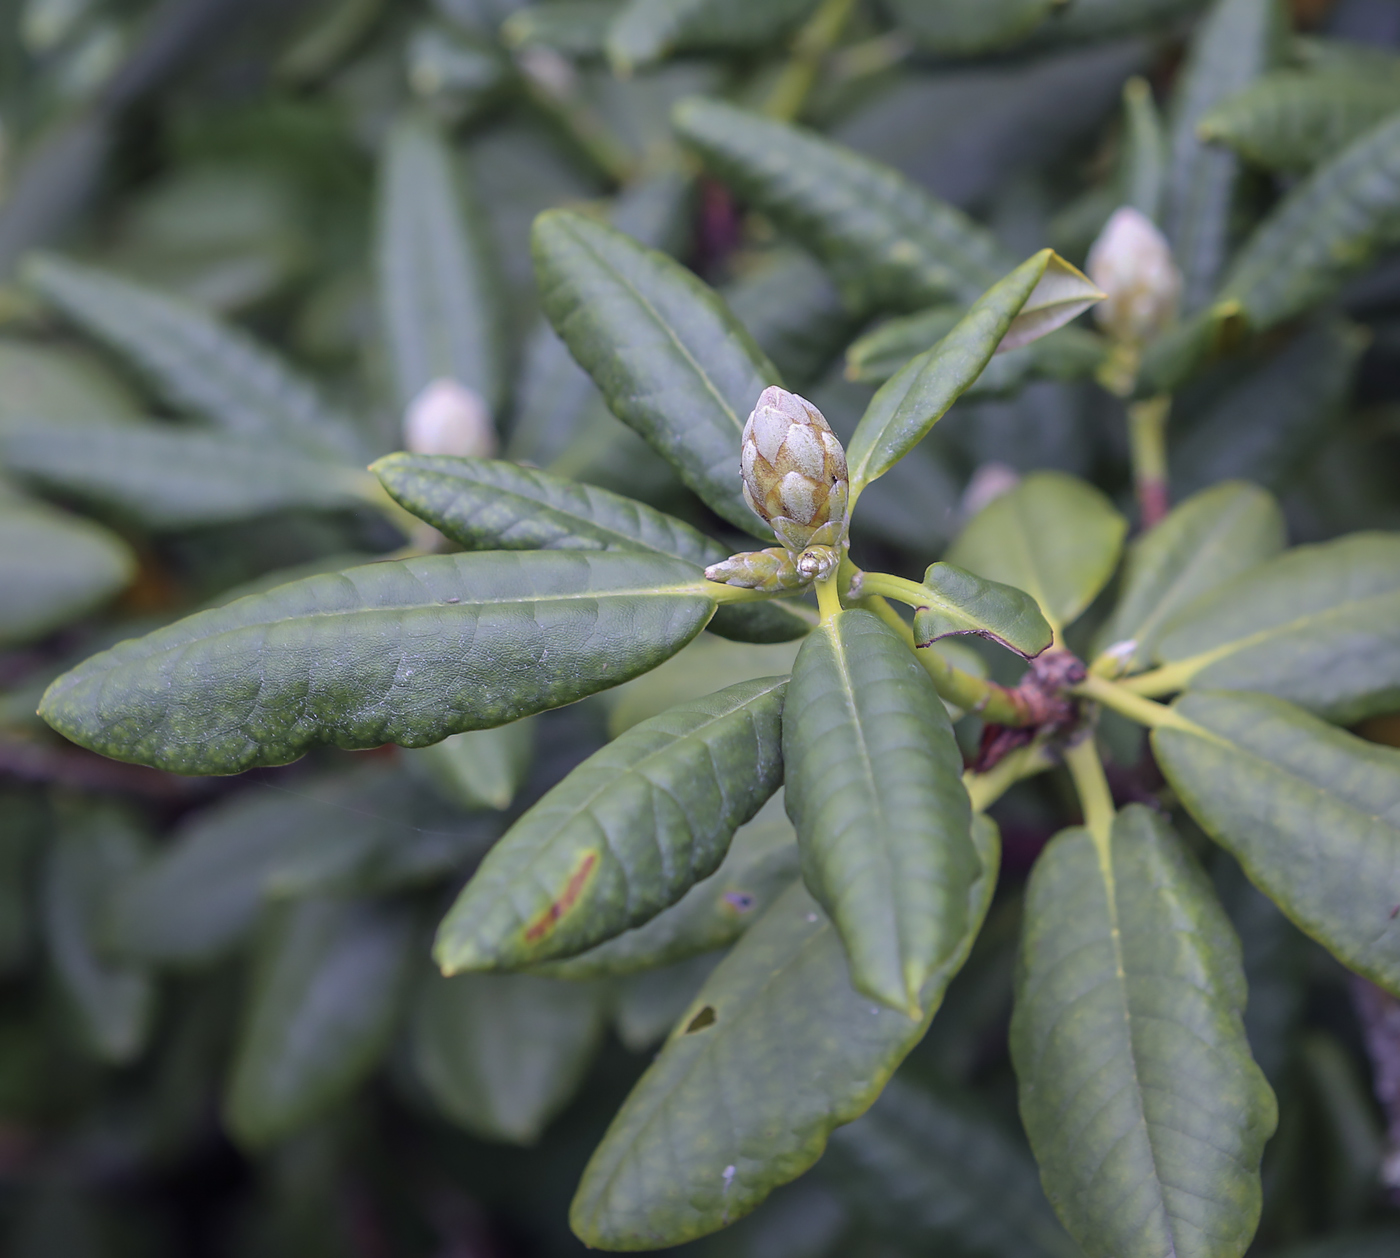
(54, 567)
(114, 1001)
(1053, 536)
(932, 1169)
(501, 1054)
(962, 603)
(195, 360)
(874, 787)
(1145, 1110)
(167, 478)
(406, 652)
(319, 1014)
(1292, 120)
(1015, 310)
(760, 864)
(1234, 44)
(624, 836)
(794, 1052)
(647, 31)
(887, 242)
(1311, 812)
(1142, 165)
(961, 28)
(1324, 231)
(1318, 625)
(669, 357)
(483, 768)
(1210, 540)
(61, 385)
(482, 504)
(576, 28)
(647, 1004)
(437, 297)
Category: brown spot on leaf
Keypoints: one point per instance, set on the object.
(566, 900)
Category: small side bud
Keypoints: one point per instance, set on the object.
(1132, 262)
(449, 418)
(772, 570)
(794, 471)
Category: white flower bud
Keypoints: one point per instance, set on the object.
(1132, 262)
(794, 470)
(449, 418)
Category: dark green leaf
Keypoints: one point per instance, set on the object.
(319, 1016)
(624, 836)
(405, 652)
(1209, 540)
(1093, 19)
(1291, 120)
(663, 348)
(196, 361)
(60, 385)
(1311, 812)
(962, 28)
(169, 478)
(934, 1170)
(501, 1054)
(53, 567)
(1319, 625)
(761, 863)
(483, 768)
(887, 242)
(1145, 1110)
(874, 787)
(1373, 1244)
(436, 291)
(792, 1052)
(576, 28)
(1142, 167)
(1233, 45)
(1053, 536)
(962, 603)
(646, 1004)
(647, 31)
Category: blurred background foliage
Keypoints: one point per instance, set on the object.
(278, 224)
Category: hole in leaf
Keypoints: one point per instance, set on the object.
(706, 1017)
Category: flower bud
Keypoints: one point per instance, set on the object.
(771, 570)
(449, 418)
(1132, 262)
(794, 471)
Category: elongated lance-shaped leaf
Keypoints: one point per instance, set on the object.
(1145, 1110)
(320, 1013)
(171, 478)
(501, 1054)
(624, 836)
(404, 652)
(1054, 536)
(776, 1051)
(1040, 291)
(1235, 43)
(1318, 625)
(888, 243)
(53, 567)
(931, 1168)
(667, 354)
(961, 28)
(1142, 173)
(1323, 232)
(484, 504)
(647, 31)
(195, 360)
(874, 788)
(437, 294)
(1291, 120)
(1205, 543)
(1094, 19)
(1310, 811)
(761, 863)
(960, 602)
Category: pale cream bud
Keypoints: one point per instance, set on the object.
(449, 418)
(1132, 262)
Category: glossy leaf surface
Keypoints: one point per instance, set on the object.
(646, 31)
(874, 789)
(1207, 542)
(1053, 536)
(962, 603)
(624, 836)
(1318, 625)
(1311, 812)
(406, 652)
(665, 351)
(778, 1036)
(887, 242)
(1146, 1112)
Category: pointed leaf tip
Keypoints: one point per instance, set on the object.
(1063, 293)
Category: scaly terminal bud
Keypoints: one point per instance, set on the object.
(794, 471)
(1132, 262)
(775, 569)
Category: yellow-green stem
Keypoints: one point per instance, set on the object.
(828, 597)
(890, 586)
(1147, 442)
(1117, 696)
(1165, 680)
(1095, 798)
(984, 789)
(813, 42)
(992, 702)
